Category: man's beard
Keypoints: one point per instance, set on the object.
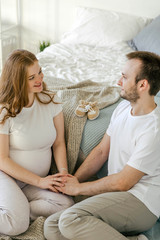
(131, 95)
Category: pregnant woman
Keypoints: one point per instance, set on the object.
(31, 124)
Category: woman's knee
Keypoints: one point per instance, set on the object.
(14, 208)
(64, 202)
(67, 202)
(19, 227)
(46, 208)
(13, 224)
(14, 219)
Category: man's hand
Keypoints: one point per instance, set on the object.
(70, 185)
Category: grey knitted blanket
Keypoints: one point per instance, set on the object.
(70, 95)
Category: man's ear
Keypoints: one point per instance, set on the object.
(143, 85)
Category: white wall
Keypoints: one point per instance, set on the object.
(37, 21)
(49, 19)
(9, 30)
(8, 12)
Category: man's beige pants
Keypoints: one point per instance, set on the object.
(108, 216)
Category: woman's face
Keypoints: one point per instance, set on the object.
(35, 78)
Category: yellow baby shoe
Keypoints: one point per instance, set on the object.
(93, 110)
(81, 110)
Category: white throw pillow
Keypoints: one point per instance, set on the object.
(102, 27)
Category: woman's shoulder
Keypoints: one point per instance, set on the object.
(49, 97)
(54, 102)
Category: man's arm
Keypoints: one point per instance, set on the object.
(121, 181)
(95, 160)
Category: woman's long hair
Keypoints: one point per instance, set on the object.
(14, 83)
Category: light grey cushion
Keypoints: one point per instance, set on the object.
(148, 39)
(94, 130)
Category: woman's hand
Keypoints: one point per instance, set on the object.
(51, 182)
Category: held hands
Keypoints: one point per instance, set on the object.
(60, 182)
(52, 182)
(70, 185)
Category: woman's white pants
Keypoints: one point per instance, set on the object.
(20, 202)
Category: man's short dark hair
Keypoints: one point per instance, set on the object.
(150, 69)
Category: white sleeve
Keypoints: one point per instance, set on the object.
(146, 156)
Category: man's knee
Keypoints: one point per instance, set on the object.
(48, 229)
(69, 222)
(51, 230)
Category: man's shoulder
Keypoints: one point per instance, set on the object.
(122, 108)
(123, 105)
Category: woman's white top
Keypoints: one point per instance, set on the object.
(135, 140)
(31, 135)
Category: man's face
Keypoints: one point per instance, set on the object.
(127, 81)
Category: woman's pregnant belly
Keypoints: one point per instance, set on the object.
(37, 161)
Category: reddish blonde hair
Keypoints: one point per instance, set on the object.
(14, 83)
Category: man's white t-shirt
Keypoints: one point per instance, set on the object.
(135, 140)
(31, 135)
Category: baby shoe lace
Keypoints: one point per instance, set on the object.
(89, 106)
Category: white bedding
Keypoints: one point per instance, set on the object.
(79, 62)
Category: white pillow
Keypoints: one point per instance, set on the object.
(102, 27)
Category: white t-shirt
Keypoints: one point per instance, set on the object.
(31, 134)
(135, 140)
